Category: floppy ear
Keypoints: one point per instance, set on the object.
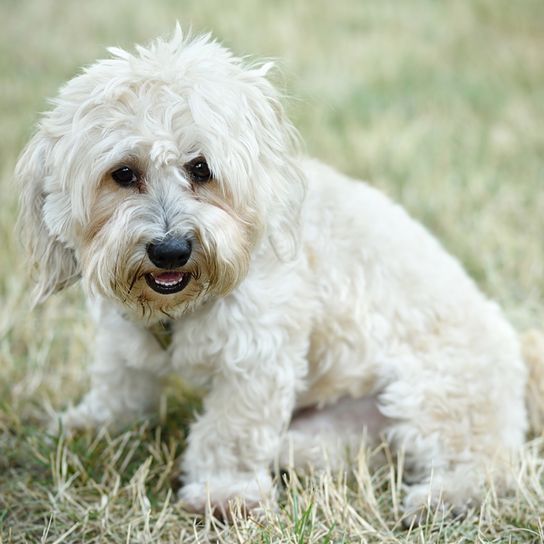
(52, 262)
(288, 184)
(290, 189)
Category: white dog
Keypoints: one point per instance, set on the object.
(170, 182)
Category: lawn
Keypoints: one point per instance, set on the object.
(439, 104)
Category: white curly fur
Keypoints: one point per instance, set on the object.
(307, 288)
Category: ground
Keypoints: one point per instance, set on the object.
(440, 104)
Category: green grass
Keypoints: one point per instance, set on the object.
(438, 103)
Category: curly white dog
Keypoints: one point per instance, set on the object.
(169, 180)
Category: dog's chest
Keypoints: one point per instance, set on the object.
(196, 344)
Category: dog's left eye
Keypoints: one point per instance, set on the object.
(125, 176)
(199, 170)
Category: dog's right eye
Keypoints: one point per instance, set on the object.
(125, 176)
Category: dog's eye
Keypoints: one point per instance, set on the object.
(125, 176)
(198, 170)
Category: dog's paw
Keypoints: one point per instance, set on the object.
(63, 423)
(72, 420)
(424, 506)
(227, 496)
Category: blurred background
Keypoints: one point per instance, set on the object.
(439, 104)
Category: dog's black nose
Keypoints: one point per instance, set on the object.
(170, 252)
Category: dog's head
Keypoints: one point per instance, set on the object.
(156, 176)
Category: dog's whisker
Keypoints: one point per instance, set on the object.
(116, 275)
(164, 312)
(136, 275)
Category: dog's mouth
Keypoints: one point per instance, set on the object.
(168, 283)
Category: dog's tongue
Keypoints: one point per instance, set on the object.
(168, 278)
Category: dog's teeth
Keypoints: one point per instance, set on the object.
(168, 279)
(167, 282)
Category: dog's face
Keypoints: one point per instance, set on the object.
(156, 176)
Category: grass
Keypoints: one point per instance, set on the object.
(440, 104)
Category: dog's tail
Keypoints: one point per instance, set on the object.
(532, 343)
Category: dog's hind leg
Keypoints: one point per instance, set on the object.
(459, 430)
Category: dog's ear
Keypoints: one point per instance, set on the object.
(284, 224)
(52, 262)
(287, 179)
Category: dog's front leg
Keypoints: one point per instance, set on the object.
(232, 445)
(125, 376)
